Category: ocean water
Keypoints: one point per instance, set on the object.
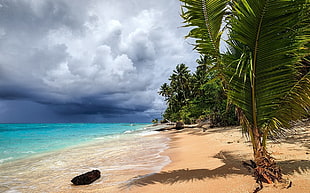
(45, 157)
(23, 140)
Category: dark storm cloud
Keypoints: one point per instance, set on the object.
(94, 58)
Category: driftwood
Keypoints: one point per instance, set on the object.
(86, 178)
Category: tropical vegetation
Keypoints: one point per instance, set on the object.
(196, 97)
(260, 50)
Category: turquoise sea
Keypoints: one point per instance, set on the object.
(32, 154)
(23, 140)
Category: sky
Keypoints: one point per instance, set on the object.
(88, 60)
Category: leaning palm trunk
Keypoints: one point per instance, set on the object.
(264, 165)
(265, 168)
(266, 42)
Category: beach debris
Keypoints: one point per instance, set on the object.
(250, 166)
(179, 125)
(289, 185)
(86, 178)
(259, 188)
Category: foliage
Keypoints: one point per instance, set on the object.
(191, 97)
(155, 121)
(177, 92)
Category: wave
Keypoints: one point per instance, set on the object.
(146, 133)
(128, 131)
(5, 159)
(28, 152)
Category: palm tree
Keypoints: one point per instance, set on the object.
(165, 91)
(180, 82)
(177, 93)
(267, 42)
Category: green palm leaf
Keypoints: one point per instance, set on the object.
(206, 16)
(266, 44)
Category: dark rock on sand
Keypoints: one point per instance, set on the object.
(86, 178)
(179, 125)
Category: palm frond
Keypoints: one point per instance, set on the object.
(266, 38)
(206, 17)
(294, 105)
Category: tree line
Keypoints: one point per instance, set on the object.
(196, 97)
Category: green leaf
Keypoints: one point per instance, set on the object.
(265, 38)
(206, 18)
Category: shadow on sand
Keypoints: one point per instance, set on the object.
(208, 131)
(232, 165)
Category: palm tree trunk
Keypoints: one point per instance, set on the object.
(265, 168)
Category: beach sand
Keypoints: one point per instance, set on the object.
(201, 162)
(211, 161)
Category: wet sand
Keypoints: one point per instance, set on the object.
(211, 161)
(118, 157)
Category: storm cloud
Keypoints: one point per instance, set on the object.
(88, 61)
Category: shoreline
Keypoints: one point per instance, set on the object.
(191, 160)
(119, 157)
(211, 161)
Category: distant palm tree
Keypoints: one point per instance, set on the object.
(165, 91)
(267, 40)
(178, 92)
(180, 82)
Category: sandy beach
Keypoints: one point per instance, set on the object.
(174, 161)
(211, 161)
